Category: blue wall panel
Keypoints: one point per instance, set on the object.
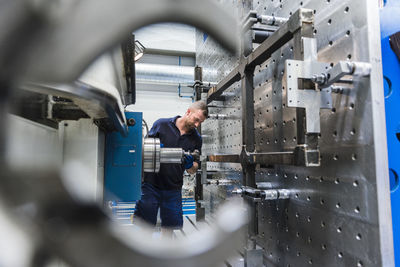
(123, 163)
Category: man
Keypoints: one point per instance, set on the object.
(163, 190)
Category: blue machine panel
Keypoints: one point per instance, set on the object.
(390, 24)
(391, 79)
(123, 163)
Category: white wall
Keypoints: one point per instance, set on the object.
(83, 158)
(32, 145)
(156, 104)
(75, 149)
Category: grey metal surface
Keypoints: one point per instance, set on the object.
(338, 214)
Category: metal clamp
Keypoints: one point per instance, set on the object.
(257, 195)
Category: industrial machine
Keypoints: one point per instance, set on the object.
(296, 132)
(307, 89)
(126, 158)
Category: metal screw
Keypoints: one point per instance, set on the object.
(131, 122)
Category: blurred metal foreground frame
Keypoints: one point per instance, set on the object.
(53, 42)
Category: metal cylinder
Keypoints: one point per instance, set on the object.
(260, 36)
(284, 193)
(271, 194)
(171, 155)
(272, 20)
(151, 155)
(164, 74)
(218, 116)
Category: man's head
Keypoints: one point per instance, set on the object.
(195, 115)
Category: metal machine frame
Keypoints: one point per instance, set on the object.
(338, 211)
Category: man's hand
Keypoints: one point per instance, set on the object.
(188, 161)
(194, 168)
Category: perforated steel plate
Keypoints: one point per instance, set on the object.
(339, 213)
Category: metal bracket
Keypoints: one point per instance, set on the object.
(312, 100)
(322, 77)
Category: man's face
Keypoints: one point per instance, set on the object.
(194, 118)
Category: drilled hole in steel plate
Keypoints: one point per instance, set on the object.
(323, 224)
(340, 255)
(394, 180)
(338, 205)
(357, 210)
(387, 86)
(358, 236)
(323, 247)
(353, 132)
(346, 9)
(355, 183)
(339, 229)
(354, 156)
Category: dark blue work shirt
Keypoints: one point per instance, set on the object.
(170, 176)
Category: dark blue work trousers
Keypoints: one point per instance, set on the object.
(168, 201)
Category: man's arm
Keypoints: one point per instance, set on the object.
(154, 131)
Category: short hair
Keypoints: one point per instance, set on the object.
(200, 105)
